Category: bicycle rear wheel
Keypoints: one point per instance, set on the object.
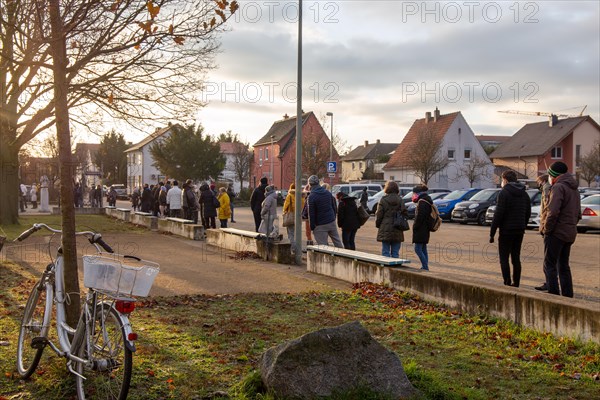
(110, 372)
(35, 324)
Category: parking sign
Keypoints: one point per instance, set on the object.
(332, 166)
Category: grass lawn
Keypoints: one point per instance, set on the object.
(96, 223)
(197, 347)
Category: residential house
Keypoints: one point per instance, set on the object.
(87, 172)
(536, 146)
(458, 145)
(139, 161)
(491, 142)
(275, 152)
(367, 158)
(231, 151)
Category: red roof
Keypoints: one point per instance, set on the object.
(400, 158)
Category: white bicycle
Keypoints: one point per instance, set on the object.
(99, 350)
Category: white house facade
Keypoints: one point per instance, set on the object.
(139, 161)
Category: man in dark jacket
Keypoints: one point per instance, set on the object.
(513, 210)
(256, 199)
(322, 210)
(558, 225)
(208, 206)
(421, 226)
(347, 219)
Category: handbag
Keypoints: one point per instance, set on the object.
(216, 202)
(289, 219)
(400, 221)
(363, 215)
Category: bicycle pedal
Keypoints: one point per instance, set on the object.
(39, 342)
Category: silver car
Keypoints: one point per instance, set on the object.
(590, 213)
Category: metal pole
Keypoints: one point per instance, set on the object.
(330, 114)
(271, 156)
(298, 202)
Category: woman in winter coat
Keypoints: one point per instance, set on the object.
(289, 207)
(307, 232)
(146, 198)
(135, 199)
(421, 230)
(268, 213)
(224, 206)
(162, 201)
(347, 219)
(208, 205)
(390, 237)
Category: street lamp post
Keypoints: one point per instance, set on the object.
(271, 156)
(330, 114)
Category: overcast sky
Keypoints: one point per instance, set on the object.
(379, 65)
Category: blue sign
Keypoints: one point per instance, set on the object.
(331, 166)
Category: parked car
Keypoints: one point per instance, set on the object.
(534, 195)
(474, 209)
(374, 200)
(446, 205)
(534, 218)
(590, 213)
(121, 191)
(281, 195)
(351, 187)
(588, 193)
(358, 193)
(411, 207)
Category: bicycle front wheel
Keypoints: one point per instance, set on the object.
(109, 372)
(35, 324)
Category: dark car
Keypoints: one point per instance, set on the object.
(534, 195)
(411, 207)
(446, 205)
(474, 209)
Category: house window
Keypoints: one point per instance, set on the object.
(353, 165)
(450, 154)
(556, 152)
(260, 154)
(577, 154)
(360, 166)
(459, 130)
(392, 178)
(266, 153)
(467, 154)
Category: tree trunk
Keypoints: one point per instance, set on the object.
(67, 170)
(9, 178)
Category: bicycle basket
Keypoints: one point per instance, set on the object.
(116, 275)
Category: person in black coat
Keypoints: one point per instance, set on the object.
(347, 219)
(146, 199)
(421, 226)
(512, 213)
(256, 200)
(208, 206)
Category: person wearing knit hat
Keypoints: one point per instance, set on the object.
(256, 200)
(313, 180)
(558, 226)
(421, 232)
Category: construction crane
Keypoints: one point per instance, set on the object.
(545, 114)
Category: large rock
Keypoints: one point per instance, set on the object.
(334, 360)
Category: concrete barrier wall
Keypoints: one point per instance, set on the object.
(149, 221)
(278, 252)
(190, 231)
(558, 315)
(82, 210)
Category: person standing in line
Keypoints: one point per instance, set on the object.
(112, 197)
(98, 195)
(33, 196)
(558, 225)
(269, 213)
(256, 200)
(289, 207)
(544, 187)
(391, 238)
(322, 211)
(135, 199)
(421, 227)
(305, 194)
(173, 200)
(364, 198)
(347, 219)
(208, 207)
(23, 197)
(224, 207)
(513, 210)
(162, 201)
(231, 195)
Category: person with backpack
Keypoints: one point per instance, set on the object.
(390, 237)
(347, 219)
(422, 224)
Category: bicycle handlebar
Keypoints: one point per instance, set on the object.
(97, 239)
(36, 227)
(27, 233)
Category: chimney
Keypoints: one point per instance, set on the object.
(553, 120)
(366, 143)
(285, 116)
(436, 115)
(427, 116)
(378, 141)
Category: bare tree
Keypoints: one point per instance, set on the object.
(425, 156)
(130, 60)
(242, 162)
(474, 169)
(589, 165)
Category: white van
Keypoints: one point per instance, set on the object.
(351, 187)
